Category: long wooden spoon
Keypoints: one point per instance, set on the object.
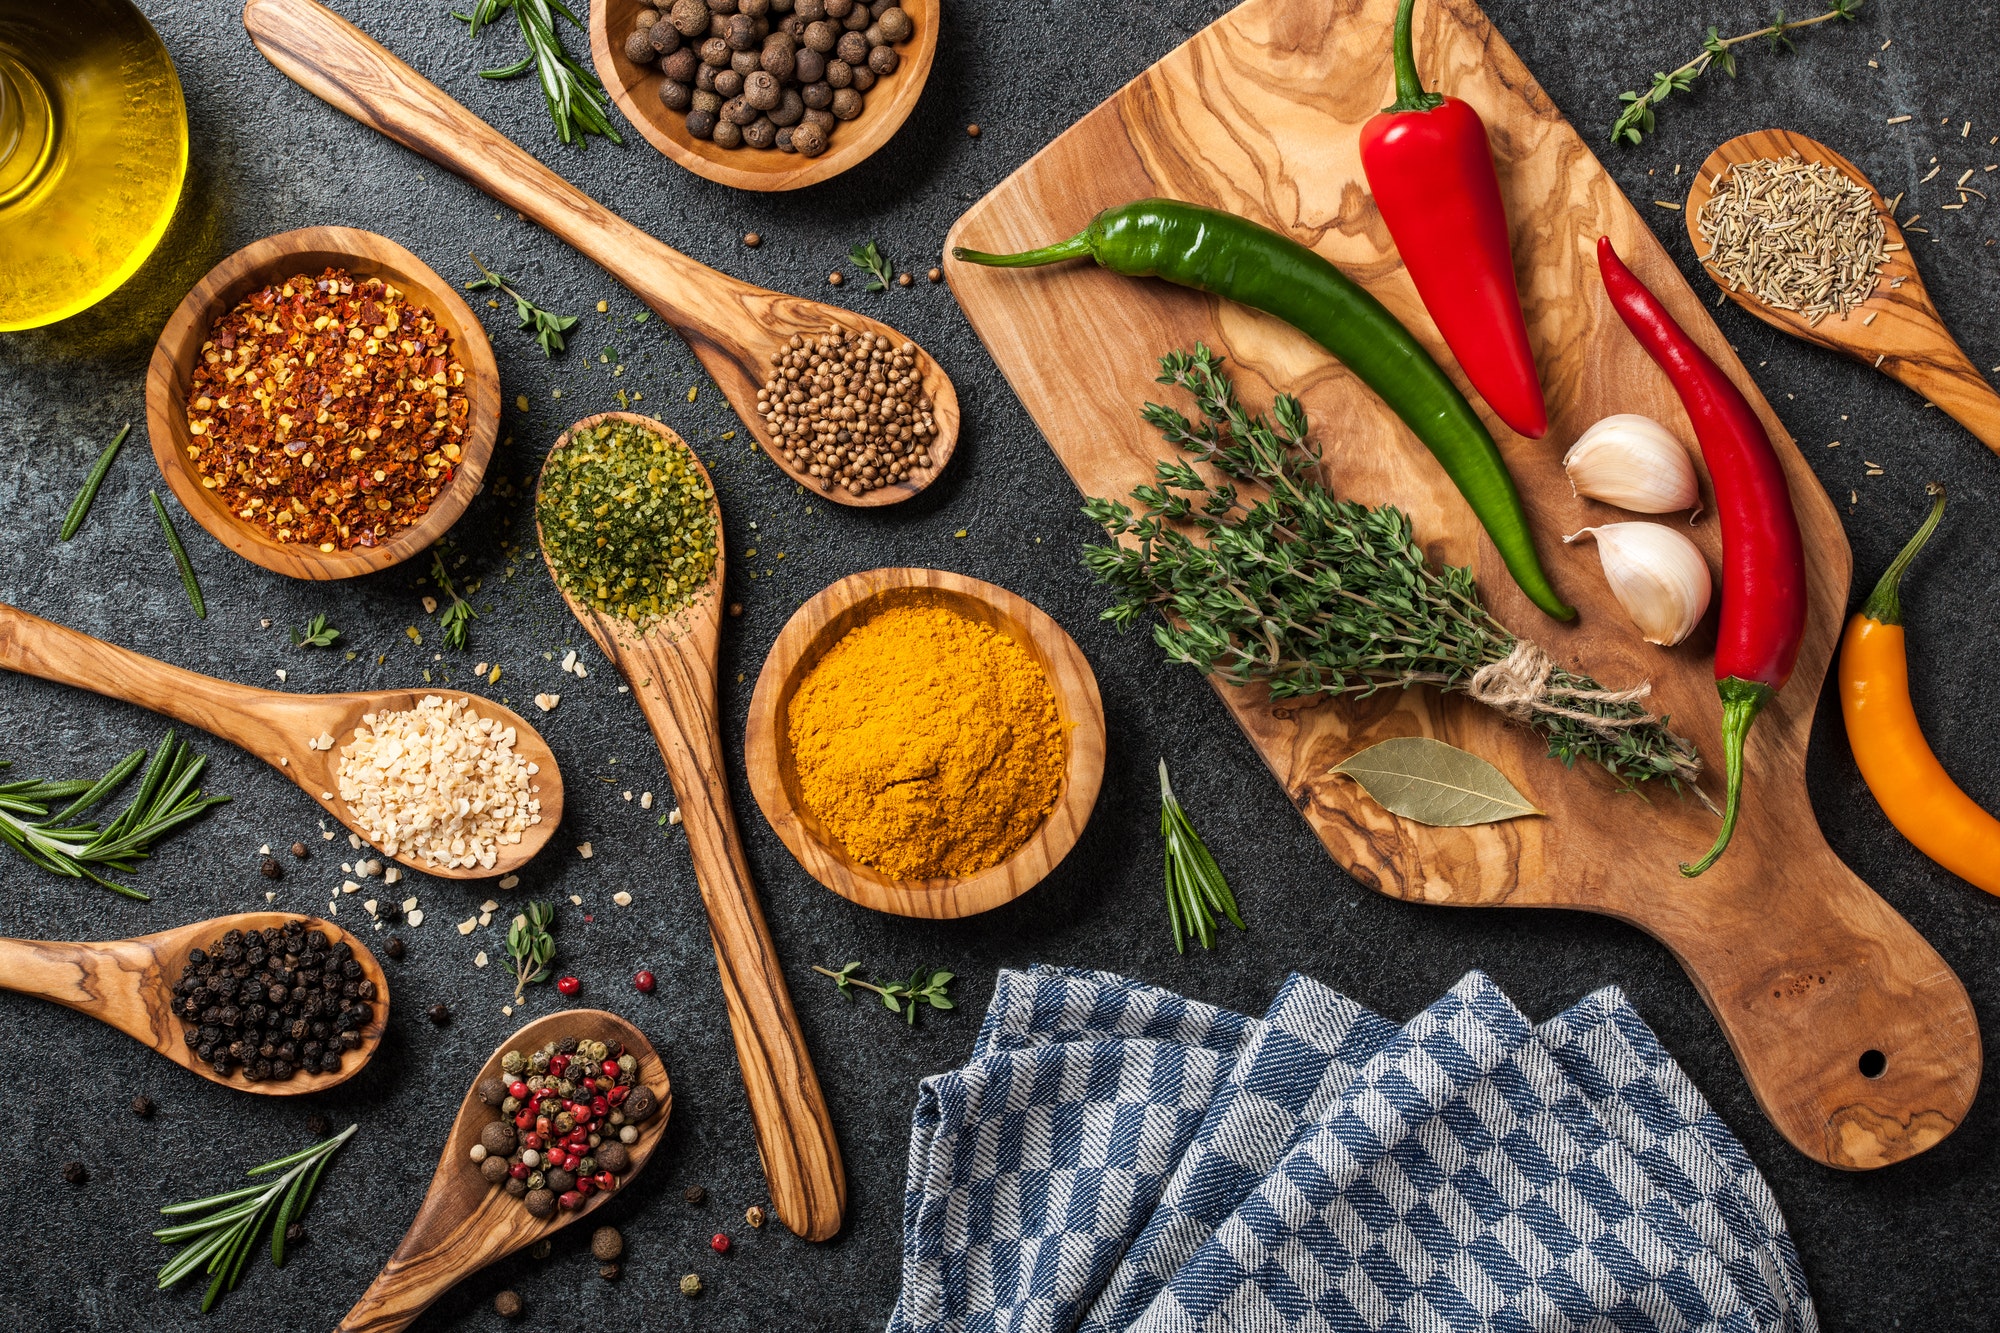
(129, 984)
(671, 670)
(464, 1223)
(1897, 330)
(275, 727)
(733, 327)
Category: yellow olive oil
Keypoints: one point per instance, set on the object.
(93, 151)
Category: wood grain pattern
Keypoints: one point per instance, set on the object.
(312, 250)
(464, 1223)
(1803, 965)
(1906, 339)
(129, 985)
(732, 327)
(636, 90)
(821, 623)
(271, 725)
(671, 671)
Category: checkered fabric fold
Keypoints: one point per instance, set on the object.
(1114, 1157)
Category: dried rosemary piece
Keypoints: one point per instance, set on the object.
(1801, 236)
(1310, 594)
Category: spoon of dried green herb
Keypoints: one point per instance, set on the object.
(1310, 594)
(224, 1228)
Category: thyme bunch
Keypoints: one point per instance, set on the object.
(1635, 122)
(1304, 592)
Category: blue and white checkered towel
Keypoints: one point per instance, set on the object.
(1116, 1157)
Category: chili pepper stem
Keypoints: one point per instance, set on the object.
(1885, 604)
(1410, 94)
(1742, 700)
(1074, 248)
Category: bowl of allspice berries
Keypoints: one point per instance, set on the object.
(765, 94)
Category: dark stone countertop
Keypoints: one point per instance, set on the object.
(1885, 1249)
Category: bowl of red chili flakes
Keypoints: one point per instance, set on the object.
(323, 403)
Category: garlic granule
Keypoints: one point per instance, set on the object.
(439, 782)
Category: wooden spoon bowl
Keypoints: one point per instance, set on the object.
(129, 984)
(636, 90)
(1897, 329)
(312, 250)
(820, 624)
(464, 1223)
(281, 729)
(670, 668)
(733, 327)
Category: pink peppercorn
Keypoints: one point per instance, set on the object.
(519, 1170)
(569, 1201)
(644, 983)
(518, 1090)
(720, 1244)
(568, 985)
(606, 1181)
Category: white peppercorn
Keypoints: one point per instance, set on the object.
(846, 104)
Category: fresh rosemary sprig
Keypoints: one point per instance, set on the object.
(531, 946)
(902, 998)
(1310, 594)
(868, 257)
(576, 99)
(456, 619)
(1196, 890)
(224, 1227)
(549, 329)
(79, 508)
(317, 634)
(1635, 122)
(64, 845)
(180, 558)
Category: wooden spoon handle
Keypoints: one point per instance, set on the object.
(37, 647)
(1957, 387)
(113, 981)
(794, 1129)
(416, 1276)
(338, 63)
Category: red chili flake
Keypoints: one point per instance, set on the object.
(329, 411)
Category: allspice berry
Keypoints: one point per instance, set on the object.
(790, 110)
(492, 1091)
(494, 1169)
(681, 65)
(839, 74)
(727, 134)
(614, 1157)
(817, 97)
(606, 1244)
(895, 25)
(884, 60)
(639, 47)
(846, 106)
(762, 91)
(675, 96)
(498, 1139)
(809, 66)
(689, 17)
(738, 112)
(852, 47)
(540, 1203)
(508, 1305)
(701, 124)
(728, 86)
(821, 36)
(760, 133)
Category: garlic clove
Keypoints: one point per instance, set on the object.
(1657, 575)
(1635, 463)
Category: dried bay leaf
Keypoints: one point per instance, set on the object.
(1434, 783)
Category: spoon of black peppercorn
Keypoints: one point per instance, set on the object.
(130, 984)
(733, 327)
(466, 1223)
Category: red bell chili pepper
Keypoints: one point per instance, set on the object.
(1763, 558)
(1431, 170)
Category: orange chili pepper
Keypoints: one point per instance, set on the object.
(1909, 783)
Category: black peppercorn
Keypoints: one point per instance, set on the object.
(74, 1173)
(439, 1014)
(271, 869)
(143, 1107)
(508, 1305)
(609, 1272)
(295, 1233)
(695, 1194)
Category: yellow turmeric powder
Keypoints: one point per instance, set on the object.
(927, 742)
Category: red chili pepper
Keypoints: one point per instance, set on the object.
(1763, 558)
(1431, 171)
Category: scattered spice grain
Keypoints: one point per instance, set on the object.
(144, 1106)
(438, 1014)
(508, 1305)
(328, 411)
(606, 1243)
(935, 275)
(75, 1173)
(754, 1215)
(395, 948)
(752, 239)
(695, 1195)
(691, 1285)
(270, 869)
(849, 409)
(835, 279)
(972, 131)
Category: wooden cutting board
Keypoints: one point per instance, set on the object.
(1816, 981)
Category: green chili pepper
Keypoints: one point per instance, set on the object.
(1233, 257)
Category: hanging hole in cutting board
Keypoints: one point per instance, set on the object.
(1873, 1063)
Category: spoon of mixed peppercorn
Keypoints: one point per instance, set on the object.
(871, 424)
(263, 1002)
(467, 1222)
(304, 736)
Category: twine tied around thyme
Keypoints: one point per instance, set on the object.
(1518, 687)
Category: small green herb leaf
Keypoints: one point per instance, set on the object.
(317, 634)
(1434, 783)
(868, 257)
(80, 507)
(530, 946)
(902, 998)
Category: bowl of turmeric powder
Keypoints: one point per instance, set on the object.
(925, 743)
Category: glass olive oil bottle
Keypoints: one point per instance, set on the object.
(93, 150)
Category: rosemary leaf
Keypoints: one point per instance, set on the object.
(80, 507)
(1196, 890)
(575, 98)
(180, 558)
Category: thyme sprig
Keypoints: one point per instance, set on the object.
(1636, 121)
(1309, 594)
(902, 998)
(64, 844)
(456, 619)
(868, 258)
(224, 1227)
(549, 328)
(1196, 890)
(531, 947)
(317, 634)
(576, 99)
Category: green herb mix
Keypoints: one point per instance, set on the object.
(628, 522)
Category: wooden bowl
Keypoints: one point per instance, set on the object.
(636, 90)
(273, 259)
(812, 632)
